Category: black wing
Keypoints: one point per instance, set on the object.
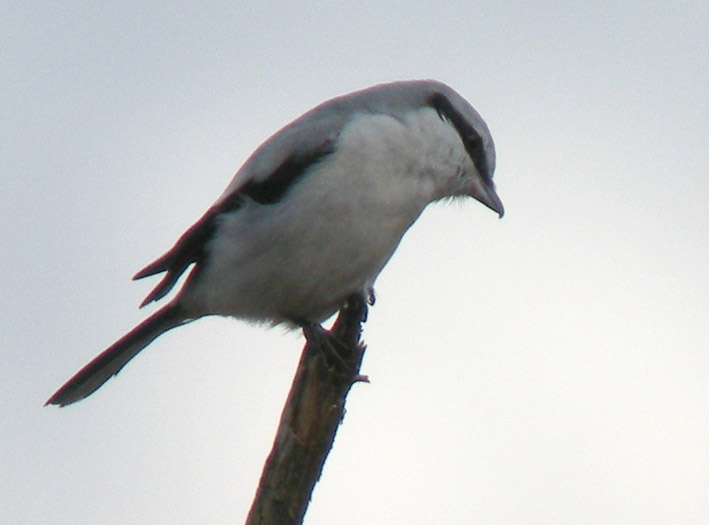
(190, 247)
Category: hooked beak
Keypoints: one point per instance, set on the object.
(485, 193)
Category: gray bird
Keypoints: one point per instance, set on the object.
(314, 214)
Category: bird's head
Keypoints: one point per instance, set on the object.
(475, 170)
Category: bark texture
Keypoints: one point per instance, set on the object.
(315, 406)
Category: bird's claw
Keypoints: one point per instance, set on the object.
(371, 298)
(331, 346)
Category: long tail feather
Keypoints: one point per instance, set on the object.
(109, 362)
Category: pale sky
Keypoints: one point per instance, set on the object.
(550, 367)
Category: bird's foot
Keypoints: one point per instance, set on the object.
(361, 301)
(371, 298)
(333, 349)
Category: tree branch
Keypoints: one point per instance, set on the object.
(312, 413)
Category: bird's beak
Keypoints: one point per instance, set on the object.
(485, 193)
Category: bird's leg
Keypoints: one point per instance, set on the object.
(327, 342)
(330, 343)
(358, 303)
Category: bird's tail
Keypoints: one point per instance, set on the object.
(109, 362)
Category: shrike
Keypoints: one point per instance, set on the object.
(314, 214)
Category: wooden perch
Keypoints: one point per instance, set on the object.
(312, 413)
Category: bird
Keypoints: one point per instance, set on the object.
(314, 215)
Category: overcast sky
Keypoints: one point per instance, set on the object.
(549, 367)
